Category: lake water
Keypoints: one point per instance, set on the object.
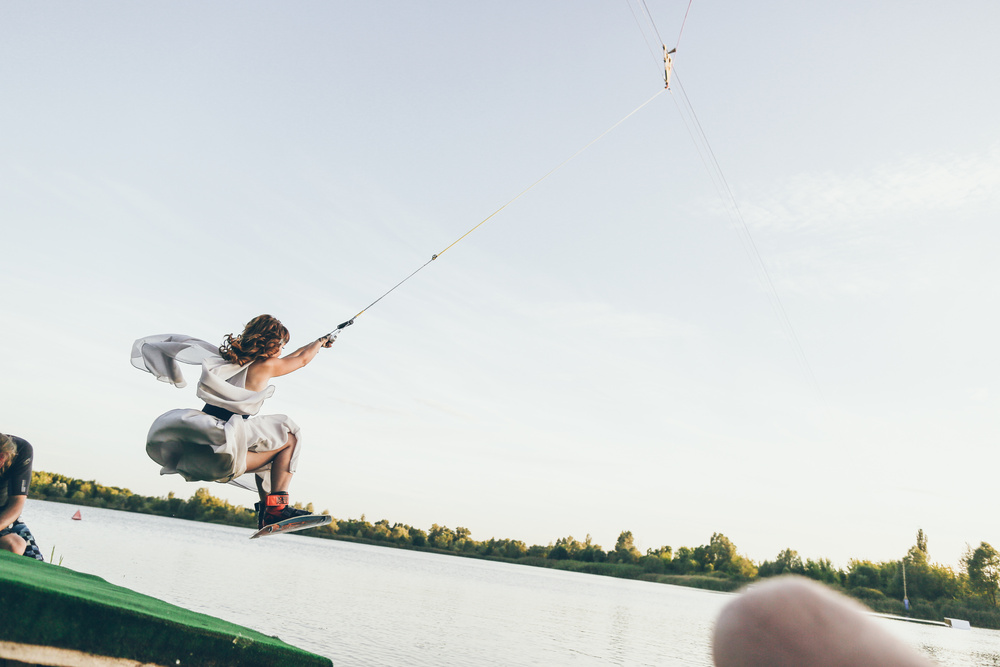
(364, 605)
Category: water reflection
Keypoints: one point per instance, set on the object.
(985, 658)
(618, 645)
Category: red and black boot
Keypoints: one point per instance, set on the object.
(276, 508)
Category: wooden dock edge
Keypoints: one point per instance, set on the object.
(15, 654)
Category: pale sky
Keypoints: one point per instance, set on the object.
(600, 356)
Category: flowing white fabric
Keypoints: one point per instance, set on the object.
(198, 446)
(159, 355)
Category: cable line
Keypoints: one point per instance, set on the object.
(333, 334)
(643, 32)
(729, 202)
(721, 184)
(683, 23)
(651, 22)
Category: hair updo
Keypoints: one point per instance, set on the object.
(262, 337)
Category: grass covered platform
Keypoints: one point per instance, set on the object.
(55, 606)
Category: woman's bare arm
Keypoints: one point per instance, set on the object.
(263, 370)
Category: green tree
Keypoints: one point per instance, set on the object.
(625, 551)
(538, 551)
(590, 552)
(921, 541)
(684, 561)
(558, 552)
(512, 549)
(663, 552)
(741, 567)
(786, 562)
(401, 534)
(381, 530)
(983, 568)
(821, 570)
(571, 546)
(657, 561)
(441, 537)
(719, 554)
(864, 574)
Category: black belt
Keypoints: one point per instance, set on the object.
(221, 413)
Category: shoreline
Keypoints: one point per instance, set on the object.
(937, 591)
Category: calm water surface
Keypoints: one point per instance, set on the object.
(363, 605)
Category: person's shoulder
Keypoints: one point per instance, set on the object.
(24, 447)
(261, 363)
(263, 366)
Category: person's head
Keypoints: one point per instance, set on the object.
(263, 336)
(8, 450)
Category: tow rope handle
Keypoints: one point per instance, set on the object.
(333, 334)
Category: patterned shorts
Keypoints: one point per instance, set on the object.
(18, 528)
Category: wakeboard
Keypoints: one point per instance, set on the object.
(293, 524)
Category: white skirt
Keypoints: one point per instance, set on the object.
(203, 448)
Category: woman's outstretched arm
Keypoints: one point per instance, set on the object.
(263, 370)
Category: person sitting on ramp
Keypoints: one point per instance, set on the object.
(16, 455)
(226, 438)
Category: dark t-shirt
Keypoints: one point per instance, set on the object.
(16, 480)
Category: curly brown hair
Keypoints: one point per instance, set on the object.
(262, 337)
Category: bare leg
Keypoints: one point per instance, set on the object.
(274, 506)
(13, 543)
(260, 488)
(794, 621)
(281, 476)
(280, 460)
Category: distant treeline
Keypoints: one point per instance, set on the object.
(933, 591)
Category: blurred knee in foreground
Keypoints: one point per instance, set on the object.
(795, 621)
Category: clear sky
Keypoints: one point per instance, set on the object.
(602, 355)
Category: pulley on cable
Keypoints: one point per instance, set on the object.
(668, 65)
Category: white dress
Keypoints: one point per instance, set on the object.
(199, 446)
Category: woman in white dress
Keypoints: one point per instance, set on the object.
(223, 440)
